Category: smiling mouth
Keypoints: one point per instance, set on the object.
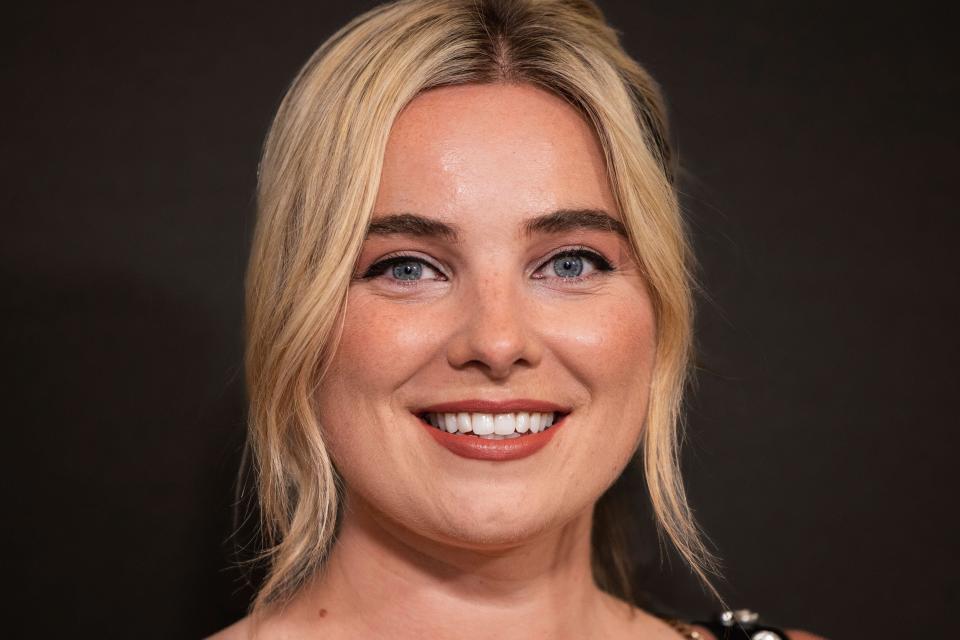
(493, 426)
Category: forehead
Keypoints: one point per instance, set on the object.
(491, 150)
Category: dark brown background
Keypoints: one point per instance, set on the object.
(821, 145)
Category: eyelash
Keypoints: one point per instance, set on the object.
(600, 263)
(377, 269)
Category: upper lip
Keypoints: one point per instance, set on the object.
(495, 406)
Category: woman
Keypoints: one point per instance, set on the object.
(468, 311)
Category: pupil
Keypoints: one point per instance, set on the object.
(407, 270)
(568, 266)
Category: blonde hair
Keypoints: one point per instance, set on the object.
(318, 180)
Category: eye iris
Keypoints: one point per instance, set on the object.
(568, 266)
(407, 270)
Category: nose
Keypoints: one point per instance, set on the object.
(497, 331)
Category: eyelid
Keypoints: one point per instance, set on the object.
(601, 263)
(396, 256)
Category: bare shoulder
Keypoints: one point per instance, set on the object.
(797, 634)
(623, 620)
(271, 626)
(239, 630)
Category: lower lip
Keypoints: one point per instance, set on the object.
(479, 448)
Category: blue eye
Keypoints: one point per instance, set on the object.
(568, 266)
(576, 264)
(571, 265)
(408, 270)
(404, 269)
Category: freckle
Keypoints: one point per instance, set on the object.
(323, 613)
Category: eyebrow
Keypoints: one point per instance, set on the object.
(412, 225)
(574, 219)
(554, 222)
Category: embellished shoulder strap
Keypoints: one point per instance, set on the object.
(684, 629)
(741, 624)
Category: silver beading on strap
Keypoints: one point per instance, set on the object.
(737, 624)
(747, 621)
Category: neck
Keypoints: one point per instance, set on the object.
(380, 580)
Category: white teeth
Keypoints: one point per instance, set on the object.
(450, 420)
(504, 424)
(535, 423)
(491, 426)
(482, 423)
(523, 422)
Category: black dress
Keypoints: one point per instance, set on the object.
(740, 624)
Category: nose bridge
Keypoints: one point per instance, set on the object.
(495, 331)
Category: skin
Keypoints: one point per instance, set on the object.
(432, 544)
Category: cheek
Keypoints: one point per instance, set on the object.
(608, 346)
(381, 346)
(610, 352)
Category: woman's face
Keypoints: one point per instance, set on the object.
(494, 282)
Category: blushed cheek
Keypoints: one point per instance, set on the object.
(382, 345)
(631, 344)
(609, 345)
(613, 356)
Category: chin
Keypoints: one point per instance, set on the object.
(490, 522)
